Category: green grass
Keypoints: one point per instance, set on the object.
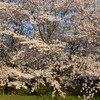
(16, 97)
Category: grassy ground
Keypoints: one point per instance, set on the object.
(8, 97)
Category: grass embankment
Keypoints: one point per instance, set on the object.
(16, 97)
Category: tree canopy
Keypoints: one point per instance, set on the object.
(58, 40)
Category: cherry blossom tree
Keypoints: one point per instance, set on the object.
(53, 39)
